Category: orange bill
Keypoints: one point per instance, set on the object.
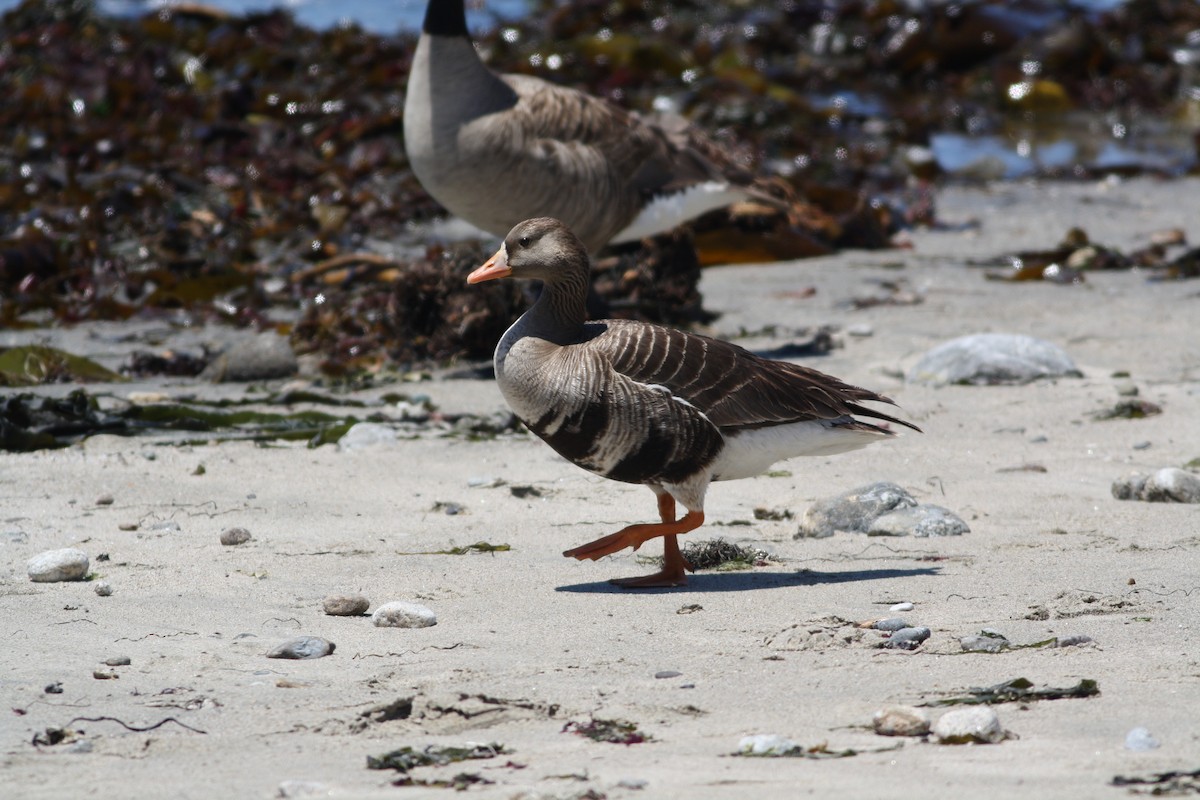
(495, 267)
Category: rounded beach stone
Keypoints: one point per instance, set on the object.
(976, 724)
(399, 614)
(346, 605)
(103, 589)
(260, 357)
(1140, 740)
(53, 566)
(891, 624)
(234, 536)
(992, 358)
(983, 643)
(900, 721)
(1172, 485)
(853, 511)
(366, 435)
(919, 521)
(303, 647)
(907, 639)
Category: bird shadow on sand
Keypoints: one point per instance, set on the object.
(756, 579)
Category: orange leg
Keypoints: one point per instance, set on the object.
(674, 571)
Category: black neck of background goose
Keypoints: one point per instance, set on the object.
(445, 18)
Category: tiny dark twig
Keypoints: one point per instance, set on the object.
(135, 728)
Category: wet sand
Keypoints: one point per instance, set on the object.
(528, 641)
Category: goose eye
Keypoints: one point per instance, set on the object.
(523, 241)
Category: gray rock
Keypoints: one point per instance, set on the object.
(118, 661)
(1073, 640)
(919, 521)
(983, 643)
(104, 500)
(261, 357)
(303, 647)
(765, 744)
(853, 511)
(972, 725)
(52, 566)
(906, 639)
(364, 435)
(1167, 485)
(399, 614)
(890, 624)
(234, 536)
(900, 721)
(667, 673)
(346, 605)
(1140, 740)
(992, 358)
(103, 589)
(901, 607)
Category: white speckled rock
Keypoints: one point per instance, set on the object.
(900, 721)
(992, 358)
(919, 521)
(53, 566)
(853, 511)
(765, 744)
(399, 614)
(367, 435)
(972, 725)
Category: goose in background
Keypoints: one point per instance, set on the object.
(498, 149)
(642, 403)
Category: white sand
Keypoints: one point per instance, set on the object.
(550, 641)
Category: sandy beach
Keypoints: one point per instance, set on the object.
(528, 642)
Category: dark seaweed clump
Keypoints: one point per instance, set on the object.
(195, 166)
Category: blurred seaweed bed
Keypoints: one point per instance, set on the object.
(192, 166)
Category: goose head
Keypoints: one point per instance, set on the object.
(539, 249)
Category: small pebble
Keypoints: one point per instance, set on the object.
(900, 721)
(52, 566)
(900, 607)
(1139, 740)
(667, 673)
(299, 789)
(890, 624)
(127, 526)
(104, 500)
(346, 605)
(1141, 445)
(399, 614)
(765, 744)
(303, 647)
(118, 661)
(861, 329)
(484, 482)
(1126, 388)
(104, 675)
(234, 536)
(103, 589)
(976, 724)
(53, 688)
(906, 639)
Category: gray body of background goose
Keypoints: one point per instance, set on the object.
(641, 403)
(498, 149)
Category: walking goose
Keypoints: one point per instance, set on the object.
(641, 403)
(607, 173)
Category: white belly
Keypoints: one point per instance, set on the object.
(753, 452)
